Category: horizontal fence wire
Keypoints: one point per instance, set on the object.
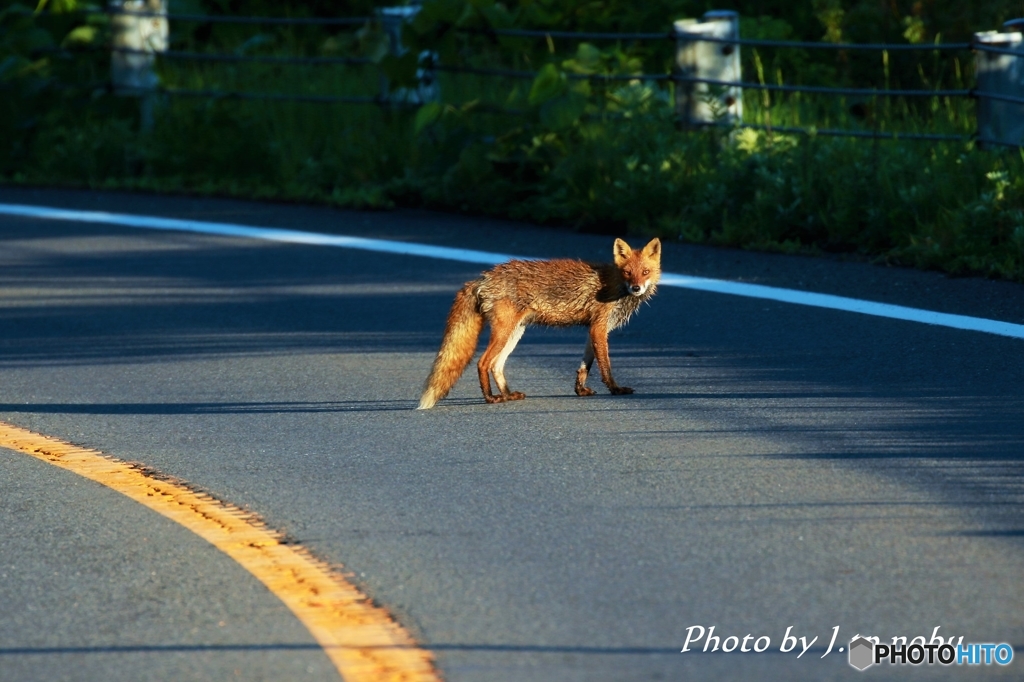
(998, 96)
(384, 102)
(695, 37)
(878, 47)
(992, 49)
(572, 35)
(216, 56)
(876, 135)
(512, 73)
(491, 109)
(267, 21)
(485, 71)
(998, 143)
(823, 90)
(213, 57)
(483, 108)
(267, 96)
(256, 59)
(223, 19)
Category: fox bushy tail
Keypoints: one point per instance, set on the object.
(457, 347)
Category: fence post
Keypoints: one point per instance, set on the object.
(427, 89)
(139, 30)
(1000, 74)
(700, 104)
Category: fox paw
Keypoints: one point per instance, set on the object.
(504, 398)
(583, 390)
(620, 390)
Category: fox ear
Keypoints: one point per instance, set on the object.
(622, 251)
(653, 249)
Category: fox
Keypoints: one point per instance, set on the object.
(553, 293)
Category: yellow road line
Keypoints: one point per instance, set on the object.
(362, 640)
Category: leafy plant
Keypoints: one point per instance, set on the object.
(581, 141)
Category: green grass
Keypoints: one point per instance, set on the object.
(606, 158)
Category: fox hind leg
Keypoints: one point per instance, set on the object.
(506, 331)
(498, 370)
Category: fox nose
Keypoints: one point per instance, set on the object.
(635, 288)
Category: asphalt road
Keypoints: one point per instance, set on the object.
(778, 467)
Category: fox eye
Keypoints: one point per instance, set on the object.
(646, 272)
(627, 273)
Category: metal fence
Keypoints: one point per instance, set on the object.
(706, 77)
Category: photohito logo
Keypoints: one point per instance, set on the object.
(864, 653)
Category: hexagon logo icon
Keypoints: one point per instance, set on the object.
(862, 653)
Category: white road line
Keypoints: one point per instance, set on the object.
(853, 305)
(850, 305)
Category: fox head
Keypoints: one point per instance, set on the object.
(640, 268)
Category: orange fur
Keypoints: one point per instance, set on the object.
(558, 293)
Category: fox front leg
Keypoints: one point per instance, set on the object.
(584, 370)
(599, 343)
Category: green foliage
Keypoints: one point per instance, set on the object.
(581, 143)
